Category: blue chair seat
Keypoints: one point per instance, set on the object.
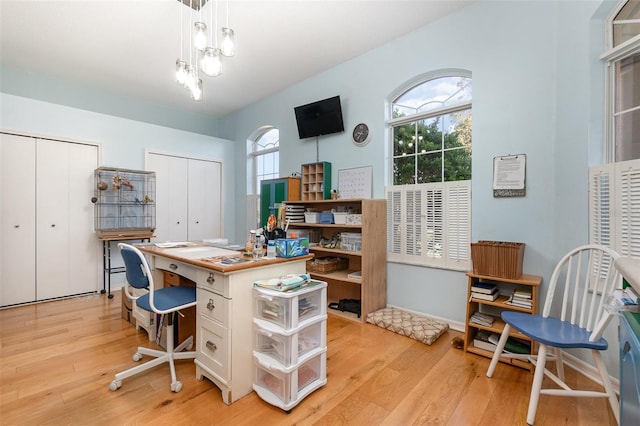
(552, 331)
(168, 298)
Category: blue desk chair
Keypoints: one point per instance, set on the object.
(167, 301)
(579, 287)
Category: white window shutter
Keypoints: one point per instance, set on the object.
(434, 223)
(413, 222)
(394, 223)
(458, 224)
(601, 205)
(627, 208)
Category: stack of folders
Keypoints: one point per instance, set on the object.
(520, 298)
(482, 319)
(484, 291)
(489, 341)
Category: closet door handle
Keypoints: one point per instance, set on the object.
(53, 225)
(16, 226)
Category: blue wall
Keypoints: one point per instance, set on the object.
(536, 78)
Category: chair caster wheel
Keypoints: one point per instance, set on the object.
(137, 356)
(176, 387)
(115, 385)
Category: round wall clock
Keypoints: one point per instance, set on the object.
(361, 135)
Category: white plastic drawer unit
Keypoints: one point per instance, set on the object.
(213, 306)
(273, 344)
(286, 387)
(214, 347)
(290, 309)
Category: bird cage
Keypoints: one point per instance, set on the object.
(125, 202)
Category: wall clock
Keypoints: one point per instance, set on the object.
(361, 135)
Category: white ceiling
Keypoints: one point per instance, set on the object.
(130, 47)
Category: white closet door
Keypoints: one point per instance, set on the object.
(171, 196)
(205, 207)
(66, 248)
(17, 220)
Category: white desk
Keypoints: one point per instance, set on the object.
(224, 312)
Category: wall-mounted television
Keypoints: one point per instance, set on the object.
(319, 118)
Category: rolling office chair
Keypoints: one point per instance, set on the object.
(167, 301)
(579, 287)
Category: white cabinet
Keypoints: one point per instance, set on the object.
(49, 248)
(17, 220)
(189, 197)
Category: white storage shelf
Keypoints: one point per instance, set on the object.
(290, 343)
(291, 309)
(289, 347)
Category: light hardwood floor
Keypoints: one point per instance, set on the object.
(57, 360)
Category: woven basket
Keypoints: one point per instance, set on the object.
(327, 264)
(497, 258)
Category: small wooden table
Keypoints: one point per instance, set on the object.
(107, 269)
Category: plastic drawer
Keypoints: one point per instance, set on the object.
(285, 388)
(289, 347)
(291, 309)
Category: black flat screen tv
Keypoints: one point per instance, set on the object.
(319, 118)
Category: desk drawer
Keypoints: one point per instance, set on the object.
(213, 306)
(214, 281)
(214, 347)
(176, 267)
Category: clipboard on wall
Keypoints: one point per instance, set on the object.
(509, 176)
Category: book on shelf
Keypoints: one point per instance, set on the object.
(522, 302)
(482, 340)
(485, 296)
(522, 294)
(482, 319)
(487, 288)
(513, 345)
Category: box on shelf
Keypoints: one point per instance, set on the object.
(324, 265)
(340, 218)
(285, 387)
(497, 258)
(289, 347)
(326, 218)
(292, 309)
(126, 308)
(351, 241)
(354, 219)
(311, 217)
(313, 235)
(292, 247)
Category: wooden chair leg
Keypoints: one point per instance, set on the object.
(537, 383)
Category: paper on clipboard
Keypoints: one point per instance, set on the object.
(509, 172)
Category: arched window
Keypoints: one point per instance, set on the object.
(266, 156)
(430, 161)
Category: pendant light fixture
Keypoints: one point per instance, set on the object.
(202, 46)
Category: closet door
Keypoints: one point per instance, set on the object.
(171, 196)
(17, 220)
(205, 205)
(66, 254)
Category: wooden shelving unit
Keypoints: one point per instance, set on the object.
(505, 285)
(371, 261)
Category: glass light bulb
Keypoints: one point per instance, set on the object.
(200, 35)
(181, 71)
(196, 91)
(191, 77)
(212, 62)
(228, 45)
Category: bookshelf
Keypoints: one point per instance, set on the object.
(506, 287)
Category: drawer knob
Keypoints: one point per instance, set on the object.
(211, 346)
(211, 279)
(210, 305)
(173, 266)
